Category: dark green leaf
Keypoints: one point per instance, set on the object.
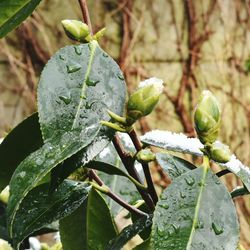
(63, 106)
(38, 164)
(129, 232)
(100, 227)
(73, 229)
(195, 212)
(145, 233)
(39, 208)
(77, 86)
(24, 139)
(172, 165)
(13, 12)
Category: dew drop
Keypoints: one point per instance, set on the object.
(121, 77)
(217, 229)
(105, 54)
(164, 205)
(62, 57)
(65, 99)
(160, 232)
(190, 181)
(91, 83)
(183, 195)
(73, 68)
(78, 50)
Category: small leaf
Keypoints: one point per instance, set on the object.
(73, 229)
(195, 212)
(173, 165)
(129, 232)
(37, 165)
(13, 12)
(100, 227)
(39, 208)
(24, 139)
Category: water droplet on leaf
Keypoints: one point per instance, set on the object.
(91, 83)
(121, 77)
(65, 99)
(217, 229)
(73, 68)
(190, 180)
(78, 50)
(62, 57)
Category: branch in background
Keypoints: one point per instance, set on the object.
(85, 14)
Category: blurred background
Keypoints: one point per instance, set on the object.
(192, 45)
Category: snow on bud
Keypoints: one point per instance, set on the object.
(76, 30)
(219, 152)
(144, 99)
(207, 117)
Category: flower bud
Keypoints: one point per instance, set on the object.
(4, 195)
(144, 99)
(219, 152)
(207, 117)
(76, 30)
(4, 245)
(145, 155)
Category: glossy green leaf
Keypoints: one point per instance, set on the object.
(73, 229)
(3, 223)
(40, 208)
(24, 139)
(77, 86)
(195, 212)
(38, 164)
(129, 232)
(13, 12)
(100, 227)
(173, 165)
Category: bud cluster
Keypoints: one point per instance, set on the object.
(207, 119)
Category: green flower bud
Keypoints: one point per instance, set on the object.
(207, 117)
(145, 155)
(144, 99)
(76, 30)
(4, 195)
(219, 152)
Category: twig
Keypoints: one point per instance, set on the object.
(114, 197)
(128, 162)
(239, 192)
(223, 172)
(151, 188)
(85, 14)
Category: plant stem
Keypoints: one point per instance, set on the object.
(85, 14)
(128, 162)
(145, 166)
(114, 197)
(239, 191)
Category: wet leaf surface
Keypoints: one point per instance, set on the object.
(195, 212)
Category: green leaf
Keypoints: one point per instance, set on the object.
(129, 232)
(100, 227)
(89, 227)
(73, 229)
(38, 164)
(40, 208)
(173, 165)
(24, 139)
(77, 87)
(13, 12)
(195, 212)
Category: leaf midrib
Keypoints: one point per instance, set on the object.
(197, 207)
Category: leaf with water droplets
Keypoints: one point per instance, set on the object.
(40, 208)
(173, 165)
(129, 232)
(21, 141)
(197, 217)
(28, 174)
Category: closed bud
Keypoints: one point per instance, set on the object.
(4, 195)
(144, 99)
(4, 245)
(145, 155)
(219, 152)
(207, 117)
(76, 30)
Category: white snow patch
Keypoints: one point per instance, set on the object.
(158, 83)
